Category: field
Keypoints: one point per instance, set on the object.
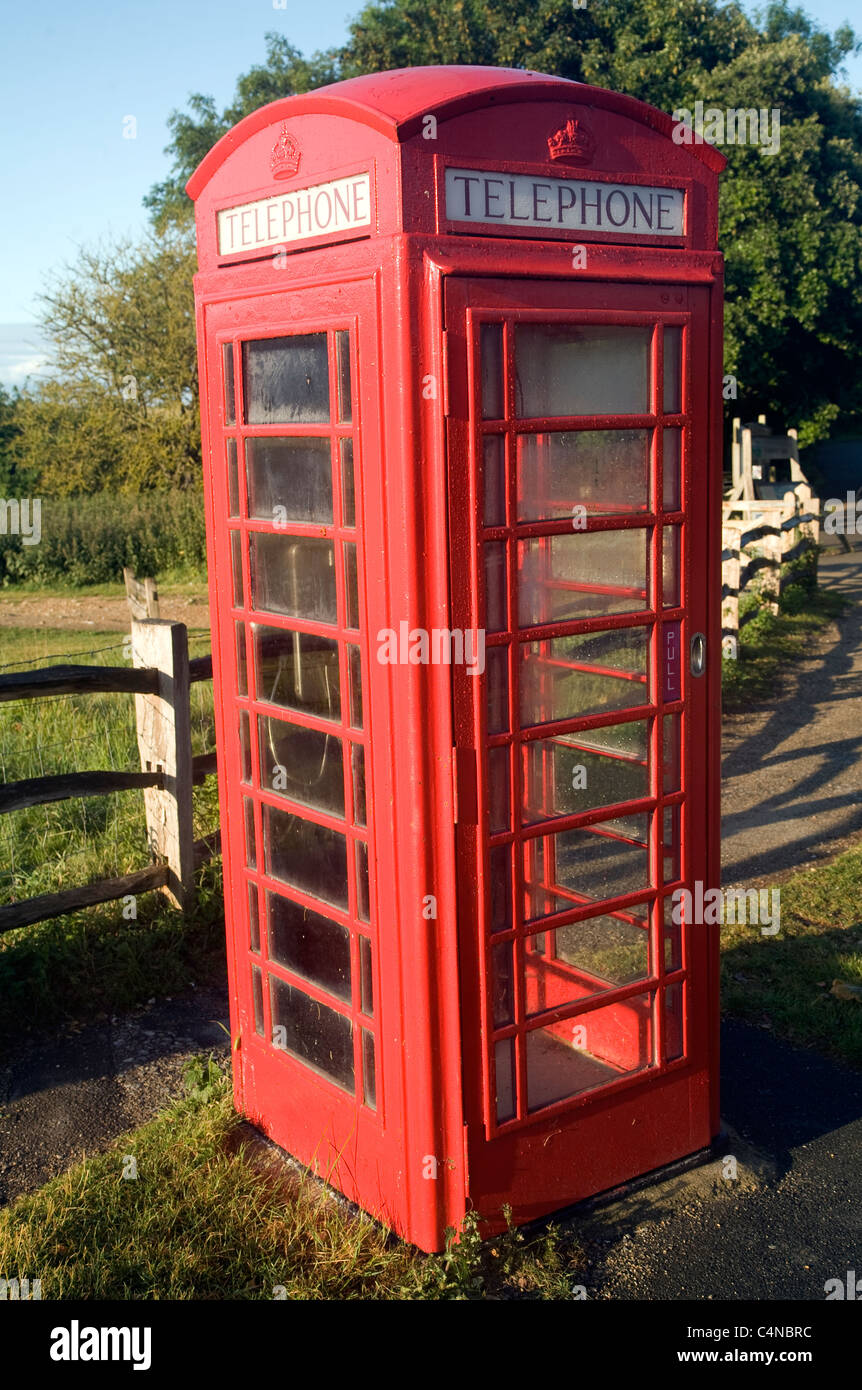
(93, 960)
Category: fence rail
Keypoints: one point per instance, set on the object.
(766, 536)
(160, 681)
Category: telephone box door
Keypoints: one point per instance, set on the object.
(290, 378)
(579, 430)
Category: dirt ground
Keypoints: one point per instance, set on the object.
(101, 613)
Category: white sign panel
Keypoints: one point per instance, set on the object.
(302, 213)
(521, 200)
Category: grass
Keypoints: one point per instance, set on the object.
(768, 641)
(784, 982)
(96, 960)
(216, 1214)
(174, 583)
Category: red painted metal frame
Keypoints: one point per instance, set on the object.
(432, 1147)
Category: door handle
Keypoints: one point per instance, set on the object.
(697, 654)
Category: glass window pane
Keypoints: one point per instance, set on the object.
(672, 368)
(257, 996)
(588, 865)
(498, 788)
(232, 479)
(602, 471)
(289, 480)
(366, 979)
(309, 857)
(355, 668)
(310, 945)
(670, 566)
(671, 752)
(250, 837)
(500, 874)
(494, 474)
(245, 746)
(503, 984)
(497, 692)
(301, 764)
(671, 498)
(297, 670)
(673, 1025)
(358, 760)
(229, 389)
(312, 1032)
(590, 1050)
(672, 932)
(585, 958)
(363, 901)
(286, 380)
(253, 919)
(293, 575)
(351, 581)
(342, 357)
(492, 371)
(495, 586)
(671, 844)
(579, 576)
(566, 776)
(369, 1070)
(587, 369)
(236, 567)
(504, 1070)
(348, 492)
(589, 673)
(241, 662)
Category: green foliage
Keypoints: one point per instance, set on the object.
(791, 222)
(123, 409)
(88, 539)
(10, 477)
(767, 640)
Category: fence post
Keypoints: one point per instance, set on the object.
(142, 595)
(163, 724)
(730, 568)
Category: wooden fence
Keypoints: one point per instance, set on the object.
(757, 538)
(160, 680)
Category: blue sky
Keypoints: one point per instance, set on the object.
(72, 73)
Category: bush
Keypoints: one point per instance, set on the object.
(88, 539)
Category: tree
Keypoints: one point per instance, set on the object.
(123, 409)
(194, 132)
(791, 222)
(9, 429)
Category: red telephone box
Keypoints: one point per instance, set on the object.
(460, 359)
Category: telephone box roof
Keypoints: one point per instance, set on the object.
(394, 103)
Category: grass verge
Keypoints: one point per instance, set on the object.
(768, 640)
(215, 1214)
(117, 955)
(784, 982)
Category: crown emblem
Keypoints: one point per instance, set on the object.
(573, 141)
(284, 160)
